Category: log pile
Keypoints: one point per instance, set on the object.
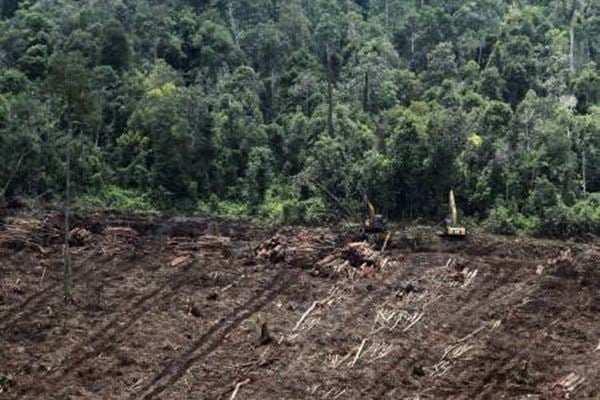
(299, 248)
(560, 266)
(208, 246)
(119, 240)
(17, 234)
(208, 243)
(354, 256)
(79, 237)
(273, 249)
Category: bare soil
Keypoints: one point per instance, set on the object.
(169, 308)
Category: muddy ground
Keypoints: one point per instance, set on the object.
(202, 309)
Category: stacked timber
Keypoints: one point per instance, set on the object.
(353, 256)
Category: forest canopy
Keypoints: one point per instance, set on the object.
(293, 109)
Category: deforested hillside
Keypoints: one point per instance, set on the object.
(206, 309)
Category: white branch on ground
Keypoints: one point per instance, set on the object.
(237, 388)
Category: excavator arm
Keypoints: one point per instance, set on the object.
(453, 210)
(453, 228)
(371, 213)
(374, 222)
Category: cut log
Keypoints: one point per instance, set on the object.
(181, 261)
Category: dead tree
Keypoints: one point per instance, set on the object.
(67, 209)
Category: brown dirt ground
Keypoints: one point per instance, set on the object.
(473, 319)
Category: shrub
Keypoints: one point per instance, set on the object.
(562, 222)
(304, 212)
(117, 198)
(503, 221)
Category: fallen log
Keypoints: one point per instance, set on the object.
(181, 261)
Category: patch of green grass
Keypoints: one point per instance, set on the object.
(117, 198)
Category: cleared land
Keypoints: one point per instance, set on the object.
(204, 309)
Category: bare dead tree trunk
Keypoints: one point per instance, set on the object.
(233, 25)
(572, 40)
(584, 172)
(387, 16)
(67, 251)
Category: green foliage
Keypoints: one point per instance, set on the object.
(223, 208)
(290, 111)
(114, 49)
(504, 221)
(12, 81)
(116, 198)
(312, 211)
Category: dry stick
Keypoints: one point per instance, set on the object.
(314, 305)
(226, 288)
(247, 367)
(417, 319)
(358, 353)
(470, 335)
(43, 275)
(340, 362)
(398, 320)
(237, 388)
(385, 242)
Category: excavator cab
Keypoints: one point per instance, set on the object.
(453, 228)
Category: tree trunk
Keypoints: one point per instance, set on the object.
(366, 97)
(273, 90)
(572, 40)
(584, 172)
(13, 173)
(387, 15)
(233, 25)
(67, 251)
(329, 92)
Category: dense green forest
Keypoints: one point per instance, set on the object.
(292, 109)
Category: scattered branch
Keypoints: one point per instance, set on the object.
(237, 388)
(360, 349)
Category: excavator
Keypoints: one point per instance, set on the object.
(453, 228)
(375, 222)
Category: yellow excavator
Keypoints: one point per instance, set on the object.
(453, 228)
(375, 222)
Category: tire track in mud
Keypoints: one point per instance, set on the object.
(357, 306)
(41, 297)
(110, 332)
(214, 337)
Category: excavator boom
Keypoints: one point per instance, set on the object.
(374, 222)
(453, 211)
(453, 228)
